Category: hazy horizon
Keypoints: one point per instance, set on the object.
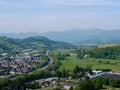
(56, 15)
(68, 30)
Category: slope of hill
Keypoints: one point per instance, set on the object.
(8, 44)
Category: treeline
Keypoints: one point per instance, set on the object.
(20, 83)
(98, 83)
(77, 72)
(105, 53)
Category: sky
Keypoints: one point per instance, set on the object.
(55, 15)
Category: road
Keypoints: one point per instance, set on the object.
(49, 63)
(46, 66)
(43, 68)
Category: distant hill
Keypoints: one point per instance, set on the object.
(9, 44)
(93, 36)
(20, 35)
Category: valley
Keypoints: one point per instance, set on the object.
(40, 63)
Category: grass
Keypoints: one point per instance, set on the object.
(71, 62)
(112, 67)
(62, 51)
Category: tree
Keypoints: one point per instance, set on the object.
(114, 83)
(76, 69)
(58, 74)
(34, 85)
(4, 82)
(63, 73)
(85, 85)
(97, 82)
(105, 81)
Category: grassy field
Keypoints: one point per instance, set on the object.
(71, 62)
(62, 51)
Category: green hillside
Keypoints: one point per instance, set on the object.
(8, 44)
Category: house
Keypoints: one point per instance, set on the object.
(4, 54)
(68, 87)
(48, 82)
(96, 73)
(86, 56)
(4, 76)
(1, 57)
(37, 57)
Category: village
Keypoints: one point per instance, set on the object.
(19, 64)
(69, 83)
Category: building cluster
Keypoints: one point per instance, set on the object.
(48, 82)
(19, 64)
(56, 82)
(108, 74)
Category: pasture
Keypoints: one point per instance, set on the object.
(71, 62)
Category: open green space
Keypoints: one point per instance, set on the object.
(71, 62)
(62, 51)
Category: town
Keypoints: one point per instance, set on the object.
(19, 64)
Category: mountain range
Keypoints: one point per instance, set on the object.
(92, 36)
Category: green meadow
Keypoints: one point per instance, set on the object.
(62, 51)
(71, 62)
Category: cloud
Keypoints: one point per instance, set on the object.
(82, 2)
(52, 3)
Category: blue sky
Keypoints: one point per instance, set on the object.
(55, 15)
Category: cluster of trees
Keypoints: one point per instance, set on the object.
(80, 72)
(100, 81)
(22, 81)
(85, 85)
(97, 83)
(105, 53)
(77, 72)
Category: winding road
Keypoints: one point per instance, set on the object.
(43, 68)
(46, 66)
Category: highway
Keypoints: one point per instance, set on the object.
(43, 68)
(49, 64)
(46, 66)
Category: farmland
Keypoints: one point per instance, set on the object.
(71, 62)
(108, 45)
